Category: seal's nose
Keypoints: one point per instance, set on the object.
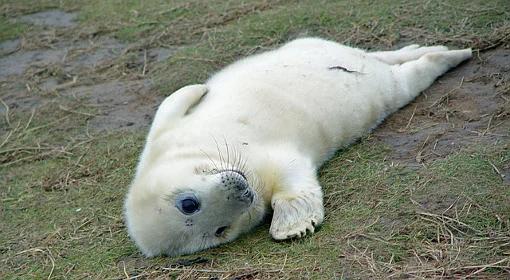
(237, 185)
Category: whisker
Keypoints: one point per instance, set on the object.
(236, 157)
(228, 152)
(242, 165)
(239, 161)
(209, 157)
(219, 153)
(232, 160)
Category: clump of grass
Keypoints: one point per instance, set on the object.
(10, 30)
(40, 136)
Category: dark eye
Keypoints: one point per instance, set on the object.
(188, 204)
(219, 232)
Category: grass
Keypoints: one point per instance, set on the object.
(55, 204)
(62, 184)
(9, 30)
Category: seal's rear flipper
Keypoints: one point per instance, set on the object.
(405, 54)
(417, 75)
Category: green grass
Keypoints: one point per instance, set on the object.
(62, 186)
(10, 30)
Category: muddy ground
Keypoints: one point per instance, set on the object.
(54, 66)
(466, 107)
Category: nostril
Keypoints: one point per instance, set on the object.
(248, 194)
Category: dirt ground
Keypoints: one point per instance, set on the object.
(466, 107)
(35, 70)
(110, 82)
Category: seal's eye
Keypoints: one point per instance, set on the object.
(188, 204)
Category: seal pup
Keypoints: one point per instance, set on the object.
(221, 155)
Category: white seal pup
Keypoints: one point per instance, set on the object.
(219, 156)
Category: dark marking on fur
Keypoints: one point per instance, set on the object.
(343, 69)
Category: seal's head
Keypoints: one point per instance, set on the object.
(180, 208)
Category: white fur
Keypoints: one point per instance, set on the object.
(284, 113)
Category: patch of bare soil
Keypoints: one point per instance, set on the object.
(54, 18)
(57, 66)
(468, 106)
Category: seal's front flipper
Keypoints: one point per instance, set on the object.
(293, 216)
(297, 203)
(174, 107)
